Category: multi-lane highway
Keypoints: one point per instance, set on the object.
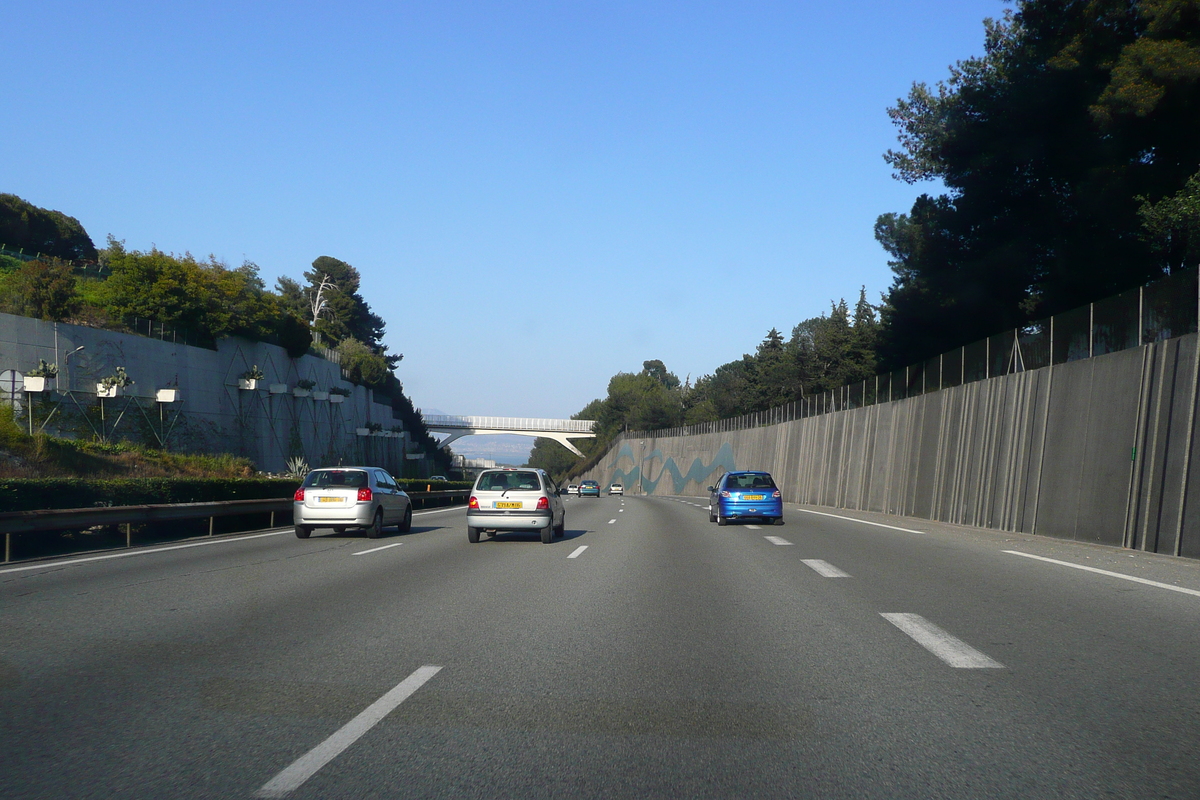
(648, 654)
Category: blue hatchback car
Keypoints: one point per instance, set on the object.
(745, 495)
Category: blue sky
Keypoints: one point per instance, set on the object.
(619, 181)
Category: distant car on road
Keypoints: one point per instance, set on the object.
(616, 488)
(350, 497)
(745, 495)
(515, 500)
(572, 489)
(589, 489)
(438, 478)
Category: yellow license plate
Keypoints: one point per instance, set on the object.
(508, 505)
(330, 499)
(752, 497)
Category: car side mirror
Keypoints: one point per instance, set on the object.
(712, 488)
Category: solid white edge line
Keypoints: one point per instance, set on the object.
(578, 551)
(777, 540)
(863, 521)
(376, 549)
(824, 568)
(139, 552)
(950, 649)
(1156, 584)
(151, 551)
(308, 764)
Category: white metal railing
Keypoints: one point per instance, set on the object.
(510, 423)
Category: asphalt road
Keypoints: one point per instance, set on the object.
(648, 654)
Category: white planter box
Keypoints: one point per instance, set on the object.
(362, 431)
(277, 388)
(249, 384)
(166, 395)
(107, 391)
(298, 392)
(35, 383)
(320, 395)
(337, 398)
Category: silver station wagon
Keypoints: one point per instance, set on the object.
(515, 500)
(350, 497)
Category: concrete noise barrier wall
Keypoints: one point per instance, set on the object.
(1096, 450)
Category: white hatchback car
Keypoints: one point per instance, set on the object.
(350, 497)
(616, 488)
(524, 499)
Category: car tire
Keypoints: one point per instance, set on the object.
(561, 530)
(339, 530)
(548, 532)
(721, 520)
(779, 520)
(406, 524)
(303, 531)
(472, 535)
(711, 516)
(376, 529)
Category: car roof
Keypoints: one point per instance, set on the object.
(747, 472)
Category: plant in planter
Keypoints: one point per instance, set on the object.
(36, 378)
(250, 378)
(112, 385)
(396, 431)
(303, 387)
(338, 394)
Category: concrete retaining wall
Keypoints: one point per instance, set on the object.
(214, 415)
(1098, 450)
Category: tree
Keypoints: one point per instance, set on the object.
(1048, 146)
(362, 366)
(43, 289)
(24, 226)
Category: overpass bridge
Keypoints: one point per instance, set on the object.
(560, 430)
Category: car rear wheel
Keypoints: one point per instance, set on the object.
(548, 532)
(472, 535)
(561, 530)
(711, 516)
(303, 531)
(406, 524)
(376, 529)
(721, 519)
(779, 520)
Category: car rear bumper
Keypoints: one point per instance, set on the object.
(359, 515)
(508, 520)
(771, 509)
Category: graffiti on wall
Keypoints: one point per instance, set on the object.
(627, 470)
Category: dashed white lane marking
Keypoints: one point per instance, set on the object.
(863, 521)
(753, 528)
(611, 521)
(439, 511)
(620, 511)
(51, 565)
(825, 568)
(1156, 584)
(578, 551)
(779, 540)
(376, 549)
(308, 764)
(954, 652)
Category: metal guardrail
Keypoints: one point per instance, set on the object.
(65, 519)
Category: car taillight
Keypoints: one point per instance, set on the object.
(725, 494)
(299, 495)
(543, 503)
(473, 502)
(364, 495)
(776, 494)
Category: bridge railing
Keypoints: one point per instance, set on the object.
(510, 423)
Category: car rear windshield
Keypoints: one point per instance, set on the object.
(503, 481)
(337, 479)
(749, 482)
